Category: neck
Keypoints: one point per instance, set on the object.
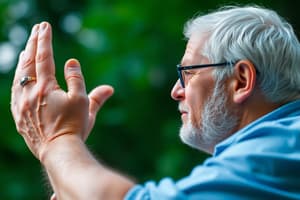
(254, 108)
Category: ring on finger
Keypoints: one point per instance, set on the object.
(26, 79)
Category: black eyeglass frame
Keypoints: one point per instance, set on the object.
(182, 68)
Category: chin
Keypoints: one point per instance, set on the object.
(194, 138)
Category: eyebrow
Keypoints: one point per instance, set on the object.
(182, 63)
(201, 57)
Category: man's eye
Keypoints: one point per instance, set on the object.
(187, 73)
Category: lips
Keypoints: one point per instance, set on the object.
(183, 114)
(183, 111)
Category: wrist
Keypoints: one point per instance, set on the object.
(60, 148)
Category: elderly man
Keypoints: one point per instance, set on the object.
(238, 93)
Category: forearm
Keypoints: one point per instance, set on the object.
(75, 174)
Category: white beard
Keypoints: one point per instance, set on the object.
(217, 121)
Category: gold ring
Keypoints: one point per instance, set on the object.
(27, 79)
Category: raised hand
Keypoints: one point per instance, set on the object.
(41, 110)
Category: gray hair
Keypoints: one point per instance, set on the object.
(256, 34)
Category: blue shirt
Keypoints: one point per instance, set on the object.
(260, 161)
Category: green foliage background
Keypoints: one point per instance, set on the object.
(131, 45)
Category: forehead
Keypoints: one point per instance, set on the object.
(193, 52)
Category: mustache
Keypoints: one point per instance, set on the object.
(182, 107)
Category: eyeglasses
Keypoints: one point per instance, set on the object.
(182, 73)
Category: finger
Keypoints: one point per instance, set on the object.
(97, 98)
(74, 77)
(26, 64)
(45, 67)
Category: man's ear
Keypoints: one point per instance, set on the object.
(243, 81)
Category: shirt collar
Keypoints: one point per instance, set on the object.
(287, 110)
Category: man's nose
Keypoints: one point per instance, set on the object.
(178, 92)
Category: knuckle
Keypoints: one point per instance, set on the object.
(75, 75)
(42, 56)
(27, 60)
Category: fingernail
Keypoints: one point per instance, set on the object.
(34, 30)
(43, 26)
(72, 63)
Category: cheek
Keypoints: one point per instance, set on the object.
(195, 102)
(198, 90)
(196, 98)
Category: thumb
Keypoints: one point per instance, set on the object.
(96, 99)
(74, 77)
(98, 96)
